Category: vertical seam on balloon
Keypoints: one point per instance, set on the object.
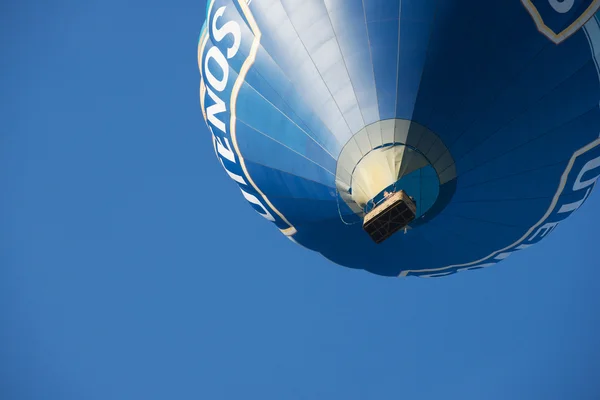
(233, 101)
(309, 135)
(287, 147)
(362, 117)
(398, 60)
(429, 37)
(319, 72)
(373, 70)
(322, 146)
(318, 143)
(397, 81)
(568, 31)
(293, 84)
(469, 22)
(561, 187)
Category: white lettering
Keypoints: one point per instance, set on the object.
(590, 165)
(523, 246)
(572, 207)
(224, 150)
(233, 176)
(503, 256)
(252, 199)
(214, 86)
(216, 108)
(473, 267)
(579, 185)
(229, 28)
(215, 54)
(544, 230)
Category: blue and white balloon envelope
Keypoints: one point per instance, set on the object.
(485, 112)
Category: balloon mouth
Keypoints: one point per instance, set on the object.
(393, 156)
(390, 169)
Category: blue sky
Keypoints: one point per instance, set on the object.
(132, 268)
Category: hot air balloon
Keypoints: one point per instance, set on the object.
(406, 137)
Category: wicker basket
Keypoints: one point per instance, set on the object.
(393, 214)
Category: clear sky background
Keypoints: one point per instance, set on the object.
(132, 268)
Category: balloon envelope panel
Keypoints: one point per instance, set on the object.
(503, 107)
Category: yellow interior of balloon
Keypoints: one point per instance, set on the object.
(381, 168)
